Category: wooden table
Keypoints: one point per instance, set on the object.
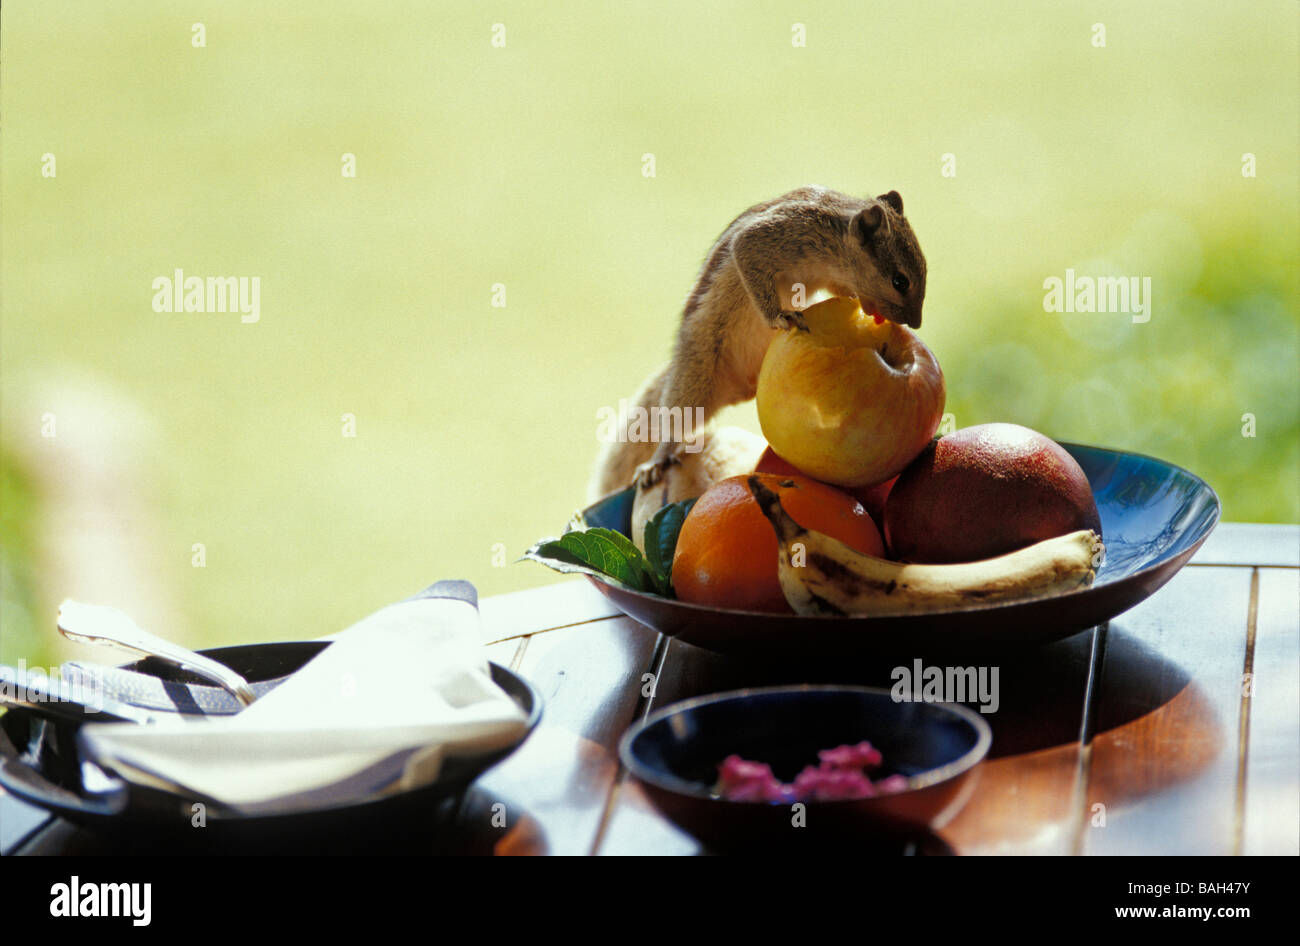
(1174, 729)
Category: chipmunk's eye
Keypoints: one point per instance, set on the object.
(900, 284)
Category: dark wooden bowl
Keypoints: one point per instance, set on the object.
(1154, 516)
(674, 753)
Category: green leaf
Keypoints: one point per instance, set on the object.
(602, 552)
(661, 541)
(611, 555)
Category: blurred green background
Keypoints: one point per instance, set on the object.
(522, 165)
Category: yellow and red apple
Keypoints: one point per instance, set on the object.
(851, 400)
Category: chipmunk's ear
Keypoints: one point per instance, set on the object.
(893, 200)
(868, 221)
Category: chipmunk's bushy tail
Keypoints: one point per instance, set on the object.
(618, 459)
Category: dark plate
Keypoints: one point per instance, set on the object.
(674, 754)
(1154, 516)
(39, 764)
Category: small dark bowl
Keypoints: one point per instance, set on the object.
(674, 753)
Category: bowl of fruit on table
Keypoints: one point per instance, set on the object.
(852, 529)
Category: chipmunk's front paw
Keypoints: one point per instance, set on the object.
(788, 320)
(651, 473)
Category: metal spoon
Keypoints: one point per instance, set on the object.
(97, 624)
(154, 693)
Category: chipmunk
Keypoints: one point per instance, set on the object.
(814, 237)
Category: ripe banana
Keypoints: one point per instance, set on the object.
(716, 454)
(820, 575)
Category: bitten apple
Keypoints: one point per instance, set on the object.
(851, 400)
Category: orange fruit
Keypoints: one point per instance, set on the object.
(727, 552)
(872, 497)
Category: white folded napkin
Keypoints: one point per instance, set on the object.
(376, 712)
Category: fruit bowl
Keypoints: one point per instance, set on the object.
(1154, 517)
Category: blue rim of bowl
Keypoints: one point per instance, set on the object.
(991, 606)
(930, 777)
